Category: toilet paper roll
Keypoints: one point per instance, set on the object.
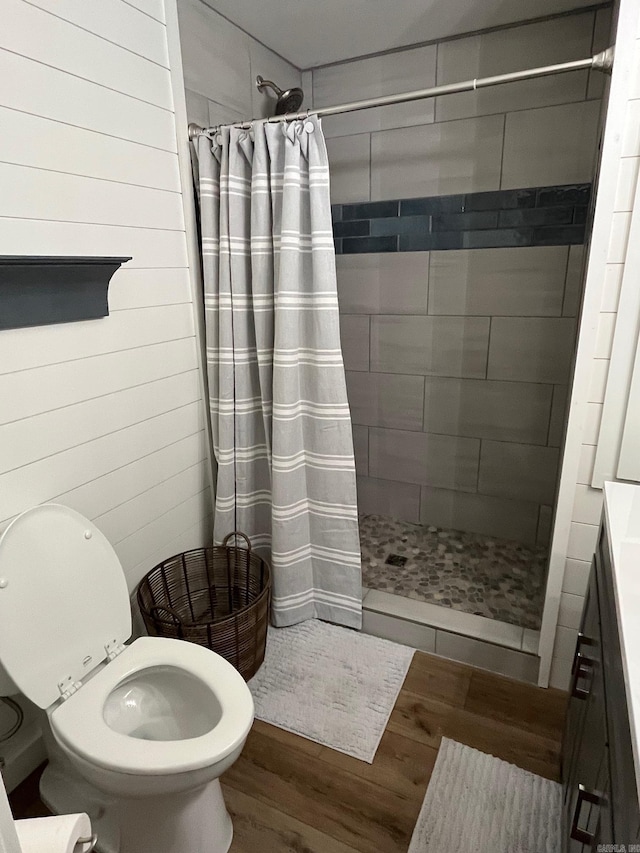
(54, 834)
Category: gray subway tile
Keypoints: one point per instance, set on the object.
(349, 163)
(361, 449)
(372, 77)
(214, 50)
(354, 334)
(550, 146)
(497, 238)
(531, 349)
(521, 471)
(501, 517)
(437, 159)
(386, 400)
(545, 525)
(389, 497)
(574, 282)
(558, 415)
(479, 408)
(197, 108)
(432, 460)
(383, 283)
(519, 282)
(433, 346)
(504, 50)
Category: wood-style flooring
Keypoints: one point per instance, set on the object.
(286, 793)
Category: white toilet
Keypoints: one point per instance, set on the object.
(149, 727)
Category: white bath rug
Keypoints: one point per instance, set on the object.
(477, 802)
(330, 684)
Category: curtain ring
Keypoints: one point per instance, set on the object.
(475, 84)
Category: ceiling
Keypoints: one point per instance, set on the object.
(316, 32)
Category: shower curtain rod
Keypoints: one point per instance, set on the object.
(600, 62)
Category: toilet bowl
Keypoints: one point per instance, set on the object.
(151, 725)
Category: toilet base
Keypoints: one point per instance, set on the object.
(196, 821)
(64, 791)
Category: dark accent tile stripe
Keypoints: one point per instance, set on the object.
(357, 228)
(536, 216)
(465, 221)
(370, 210)
(571, 194)
(560, 236)
(532, 216)
(501, 200)
(434, 204)
(369, 245)
(401, 225)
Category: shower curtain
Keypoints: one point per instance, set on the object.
(280, 419)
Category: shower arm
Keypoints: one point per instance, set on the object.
(600, 62)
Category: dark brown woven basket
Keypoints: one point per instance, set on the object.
(217, 597)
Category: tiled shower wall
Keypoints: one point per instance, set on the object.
(457, 370)
(458, 361)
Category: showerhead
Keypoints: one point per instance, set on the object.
(289, 100)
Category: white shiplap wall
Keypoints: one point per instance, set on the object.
(579, 503)
(105, 416)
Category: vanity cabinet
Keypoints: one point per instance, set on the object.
(600, 805)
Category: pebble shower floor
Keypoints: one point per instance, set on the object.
(470, 572)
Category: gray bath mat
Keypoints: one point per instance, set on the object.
(477, 802)
(330, 684)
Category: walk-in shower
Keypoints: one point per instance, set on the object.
(458, 393)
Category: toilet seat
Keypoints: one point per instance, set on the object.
(79, 724)
(64, 602)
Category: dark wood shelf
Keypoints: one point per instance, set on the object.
(38, 291)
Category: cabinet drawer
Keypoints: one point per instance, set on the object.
(585, 756)
(623, 790)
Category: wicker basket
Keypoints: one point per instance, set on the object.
(217, 597)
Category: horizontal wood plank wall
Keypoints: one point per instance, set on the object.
(104, 416)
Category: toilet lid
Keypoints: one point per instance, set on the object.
(63, 599)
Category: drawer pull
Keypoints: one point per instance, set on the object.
(582, 668)
(584, 795)
(581, 640)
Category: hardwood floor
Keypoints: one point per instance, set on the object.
(286, 793)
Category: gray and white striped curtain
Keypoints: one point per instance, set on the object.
(280, 418)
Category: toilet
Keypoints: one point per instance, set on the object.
(137, 735)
